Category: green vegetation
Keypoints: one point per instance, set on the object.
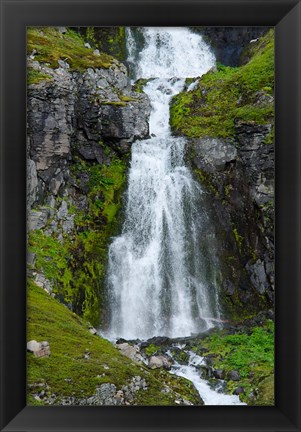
(76, 264)
(228, 95)
(51, 45)
(110, 40)
(115, 103)
(68, 372)
(151, 349)
(252, 355)
(139, 84)
(238, 238)
(34, 76)
(269, 140)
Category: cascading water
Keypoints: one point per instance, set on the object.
(160, 276)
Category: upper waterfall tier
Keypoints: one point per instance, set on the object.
(169, 52)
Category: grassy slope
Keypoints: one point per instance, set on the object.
(228, 94)
(69, 340)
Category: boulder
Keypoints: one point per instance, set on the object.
(132, 352)
(156, 362)
(39, 349)
(219, 374)
(213, 154)
(233, 376)
(239, 390)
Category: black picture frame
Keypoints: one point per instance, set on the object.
(16, 15)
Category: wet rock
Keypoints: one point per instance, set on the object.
(239, 390)
(206, 371)
(219, 374)
(233, 376)
(179, 356)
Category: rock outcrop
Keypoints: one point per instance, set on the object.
(240, 181)
(228, 43)
(81, 123)
(74, 114)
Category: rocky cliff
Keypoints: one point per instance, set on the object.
(81, 123)
(227, 117)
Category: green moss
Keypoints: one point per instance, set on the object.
(34, 76)
(76, 264)
(127, 98)
(227, 95)
(51, 46)
(238, 238)
(139, 84)
(68, 373)
(269, 140)
(151, 349)
(115, 103)
(110, 40)
(252, 355)
(205, 178)
(52, 257)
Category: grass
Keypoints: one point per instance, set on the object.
(76, 264)
(51, 46)
(68, 373)
(228, 95)
(252, 355)
(35, 76)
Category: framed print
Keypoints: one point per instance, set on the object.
(150, 220)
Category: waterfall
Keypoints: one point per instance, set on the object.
(161, 270)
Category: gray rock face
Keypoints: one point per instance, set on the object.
(75, 113)
(213, 154)
(258, 276)
(228, 42)
(259, 158)
(38, 219)
(239, 175)
(32, 183)
(43, 282)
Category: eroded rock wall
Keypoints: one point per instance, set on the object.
(80, 130)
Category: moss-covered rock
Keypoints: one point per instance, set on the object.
(49, 45)
(110, 40)
(227, 95)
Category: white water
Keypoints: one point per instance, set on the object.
(209, 396)
(160, 278)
